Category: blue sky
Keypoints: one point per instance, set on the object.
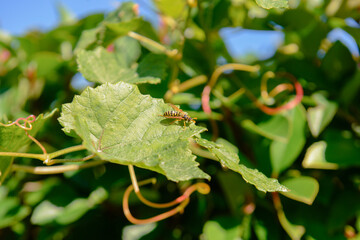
(19, 16)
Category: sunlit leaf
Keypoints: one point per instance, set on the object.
(122, 126)
(321, 115)
(102, 66)
(325, 154)
(230, 159)
(315, 157)
(45, 213)
(303, 189)
(135, 232)
(172, 8)
(267, 4)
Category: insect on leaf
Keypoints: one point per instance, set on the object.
(122, 126)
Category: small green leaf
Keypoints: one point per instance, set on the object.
(153, 65)
(325, 154)
(122, 28)
(47, 62)
(45, 213)
(127, 51)
(136, 232)
(102, 66)
(283, 154)
(222, 228)
(267, 4)
(321, 115)
(88, 38)
(122, 126)
(315, 157)
(230, 159)
(74, 211)
(12, 212)
(276, 128)
(14, 138)
(303, 189)
(172, 8)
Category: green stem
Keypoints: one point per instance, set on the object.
(66, 150)
(54, 161)
(55, 169)
(41, 157)
(170, 53)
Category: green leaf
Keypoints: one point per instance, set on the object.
(172, 8)
(12, 212)
(47, 62)
(127, 51)
(267, 4)
(227, 157)
(122, 126)
(88, 38)
(315, 157)
(122, 28)
(222, 228)
(325, 154)
(136, 232)
(102, 66)
(45, 213)
(14, 138)
(73, 212)
(153, 65)
(338, 62)
(276, 128)
(283, 154)
(303, 189)
(321, 115)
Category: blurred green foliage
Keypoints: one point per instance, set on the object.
(313, 149)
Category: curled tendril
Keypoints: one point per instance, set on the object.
(278, 89)
(26, 124)
(181, 201)
(268, 97)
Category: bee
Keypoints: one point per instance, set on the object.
(178, 115)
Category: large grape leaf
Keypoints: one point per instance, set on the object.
(228, 157)
(14, 138)
(102, 66)
(122, 126)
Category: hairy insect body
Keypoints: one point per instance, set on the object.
(172, 114)
(178, 115)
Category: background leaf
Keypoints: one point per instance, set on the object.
(303, 189)
(267, 4)
(321, 115)
(283, 154)
(102, 66)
